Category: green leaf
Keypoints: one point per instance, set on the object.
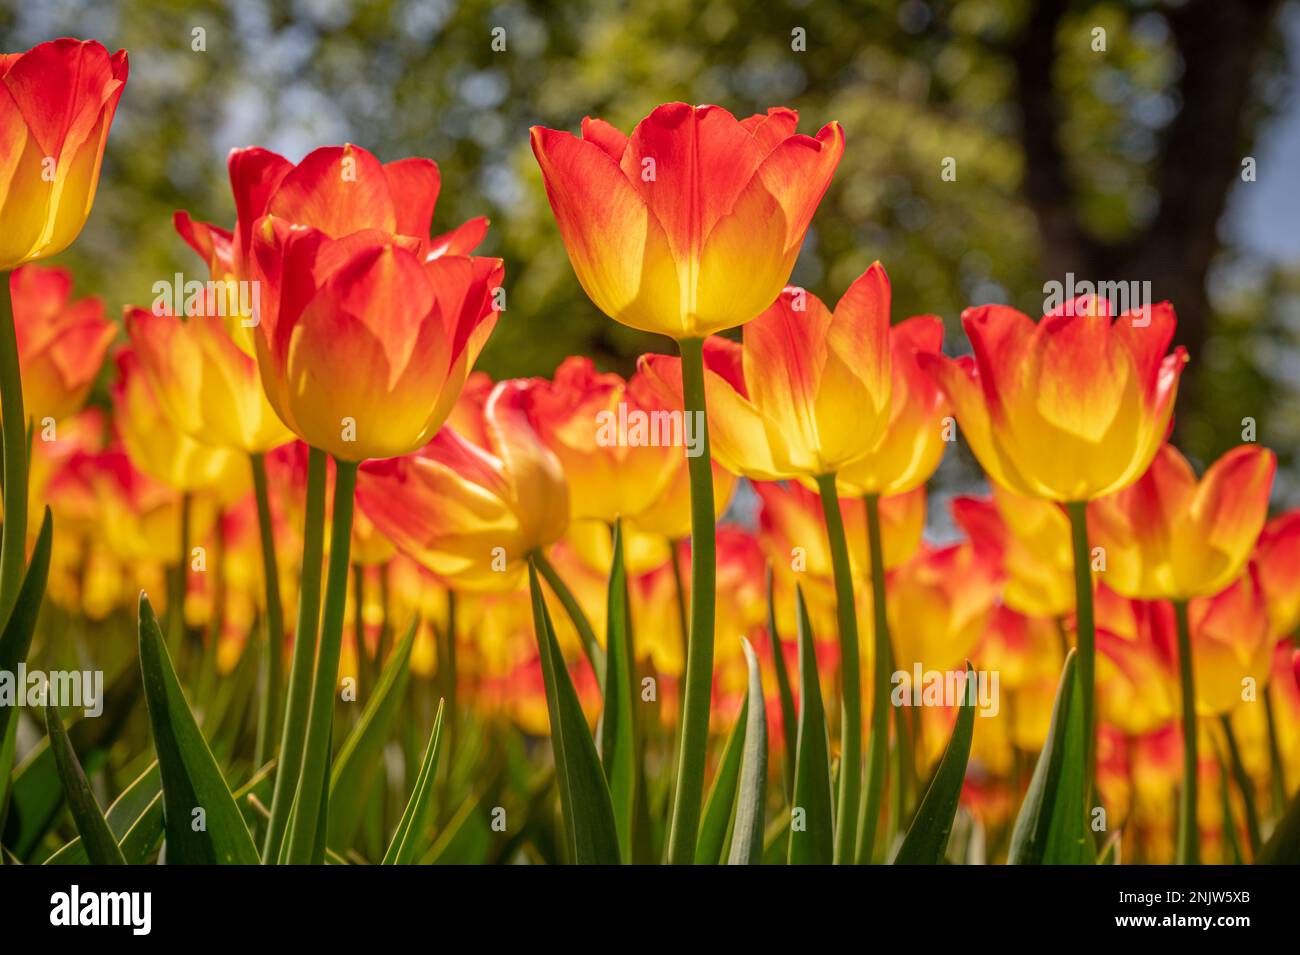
(404, 847)
(351, 781)
(926, 841)
(722, 796)
(17, 640)
(191, 777)
(747, 835)
(101, 845)
(1051, 827)
(584, 796)
(36, 794)
(784, 693)
(143, 836)
(618, 733)
(812, 836)
(125, 810)
(1283, 846)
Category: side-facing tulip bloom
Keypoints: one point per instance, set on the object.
(692, 224)
(57, 102)
(1171, 537)
(940, 603)
(61, 342)
(472, 515)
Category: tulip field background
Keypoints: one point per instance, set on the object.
(434, 559)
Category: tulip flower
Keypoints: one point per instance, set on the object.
(689, 226)
(209, 388)
(61, 343)
(367, 331)
(1032, 540)
(473, 515)
(1277, 560)
(57, 105)
(363, 346)
(941, 602)
(57, 102)
(915, 436)
(1171, 537)
(1069, 409)
(620, 448)
(157, 448)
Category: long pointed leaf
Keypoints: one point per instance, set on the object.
(812, 835)
(926, 841)
(404, 847)
(354, 769)
(747, 835)
(589, 816)
(1050, 827)
(121, 815)
(618, 733)
(101, 845)
(722, 795)
(191, 778)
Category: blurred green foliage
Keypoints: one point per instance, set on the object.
(912, 83)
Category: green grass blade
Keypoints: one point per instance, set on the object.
(812, 833)
(100, 843)
(1050, 827)
(584, 795)
(721, 801)
(17, 640)
(354, 770)
(926, 841)
(747, 834)
(404, 847)
(191, 778)
(618, 732)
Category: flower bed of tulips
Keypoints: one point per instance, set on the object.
(331, 595)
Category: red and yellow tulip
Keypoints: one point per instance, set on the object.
(1071, 408)
(57, 102)
(1171, 537)
(61, 342)
(470, 514)
(692, 224)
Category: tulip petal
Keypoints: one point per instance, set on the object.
(413, 185)
(337, 189)
(619, 251)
